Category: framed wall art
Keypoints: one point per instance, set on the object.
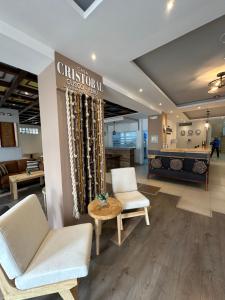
(7, 134)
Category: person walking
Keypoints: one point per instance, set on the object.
(215, 146)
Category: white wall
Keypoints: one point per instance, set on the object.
(182, 141)
(129, 126)
(30, 143)
(12, 152)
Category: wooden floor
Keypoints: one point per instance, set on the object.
(180, 256)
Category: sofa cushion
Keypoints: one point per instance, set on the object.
(11, 166)
(64, 255)
(156, 163)
(22, 230)
(200, 167)
(132, 200)
(176, 164)
(22, 165)
(3, 170)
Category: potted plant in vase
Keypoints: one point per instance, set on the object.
(103, 198)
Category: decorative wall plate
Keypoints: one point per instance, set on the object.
(197, 131)
(182, 133)
(190, 132)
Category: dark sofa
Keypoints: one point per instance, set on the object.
(14, 167)
(187, 171)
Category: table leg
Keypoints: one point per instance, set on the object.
(119, 229)
(42, 180)
(97, 235)
(14, 190)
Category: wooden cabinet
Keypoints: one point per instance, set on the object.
(126, 156)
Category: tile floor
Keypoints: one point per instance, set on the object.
(193, 196)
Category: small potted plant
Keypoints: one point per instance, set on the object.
(28, 172)
(103, 198)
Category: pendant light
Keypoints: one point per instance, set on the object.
(114, 128)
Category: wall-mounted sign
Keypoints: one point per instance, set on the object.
(72, 75)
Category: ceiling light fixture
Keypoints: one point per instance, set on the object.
(199, 107)
(216, 84)
(93, 56)
(26, 93)
(170, 4)
(171, 111)
(207, 120)
(160, 104)
(140, 90)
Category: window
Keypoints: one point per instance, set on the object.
(125, 139)
(29, 130)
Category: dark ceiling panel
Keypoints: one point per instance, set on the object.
(25, 98)
(113, 110)
(84, 4)
(184, 67)
(18, 92)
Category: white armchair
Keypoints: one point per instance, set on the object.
(39, 260)
(124, 185)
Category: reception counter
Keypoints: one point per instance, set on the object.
(181, 164)
(203, 153)
(124, 155)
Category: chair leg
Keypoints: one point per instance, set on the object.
(121, 225)
(119, 229)
(69, 294)
(146, 216)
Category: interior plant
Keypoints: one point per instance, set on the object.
(103, 198)
(28, 172)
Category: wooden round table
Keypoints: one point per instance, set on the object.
(101, 213)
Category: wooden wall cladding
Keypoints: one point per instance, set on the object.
(7, 134)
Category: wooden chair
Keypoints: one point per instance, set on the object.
(66, 289)
(37, 261)
(124, 185)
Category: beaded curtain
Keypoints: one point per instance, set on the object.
(85, 119)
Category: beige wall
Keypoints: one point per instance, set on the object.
(182, 141)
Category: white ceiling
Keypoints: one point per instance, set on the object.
(117, 31)
(184, 67)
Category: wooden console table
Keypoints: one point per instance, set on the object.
(14, 179)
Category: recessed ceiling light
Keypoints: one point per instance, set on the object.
(170, 4)
(199, 107)
(160, 104)
(93, 56)
(26, 93)
(171, 111)
(140, 90)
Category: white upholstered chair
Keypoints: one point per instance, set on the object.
(35, 260)
(124, 185)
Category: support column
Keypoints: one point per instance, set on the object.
(57, 180)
